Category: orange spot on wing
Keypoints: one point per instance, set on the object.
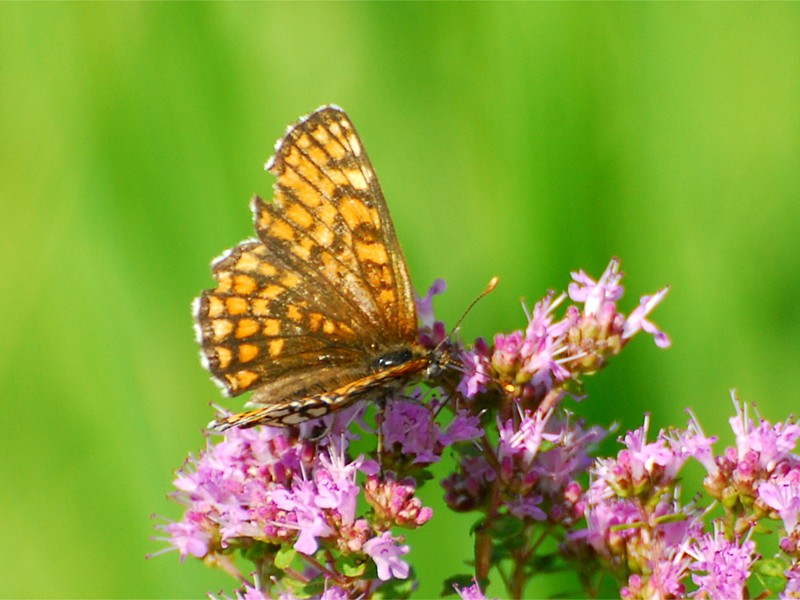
(247, 352)
(236, 305)
(247, 262)
(244, 285)
(303, 249)
(375, 253)
(387, 297)
(271, 291)
(216, 307)
(271, 327)
(290, 280)
(281, 230)
(299, 215)
(276, 347)
(243, 379)
(294, 313)
(223, 356)
(315, 320)
(246, 328)
(267, 269)
(222, 328)
(259, 307)
(225, 283)
(354, 212)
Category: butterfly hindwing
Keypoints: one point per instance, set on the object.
(257, 328)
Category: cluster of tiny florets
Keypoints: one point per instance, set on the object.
(552, 353)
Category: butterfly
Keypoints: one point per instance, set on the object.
(318, 311)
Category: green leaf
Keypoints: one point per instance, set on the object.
(284, 558)
(396, 588)
(477, 526)
(257, 550)
(313, 589)
(505, 526)
(770, 573)
(770, 567)
(351, 566)
(544, 563)
(499, 552)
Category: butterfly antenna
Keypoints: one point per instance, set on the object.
(489, 287)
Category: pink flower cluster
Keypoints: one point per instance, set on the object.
(530, 364)
(265, 486)
(637, 528)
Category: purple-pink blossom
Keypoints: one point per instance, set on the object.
(792, 589)
(336, 485)
(595, 294)
(642, 468)
(425, 304)
(783, 496)
(470, 592)
(386, 552)
(477, 369)
(411, 427)
(334, 592)
(726, 565)
(772, 443)
(528, 364)
(394, 501)
(637, 320)
(309, 520)
(521, 440)
(464, 427)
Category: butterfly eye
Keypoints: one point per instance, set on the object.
(391, 359)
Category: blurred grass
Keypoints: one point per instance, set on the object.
(519, 140)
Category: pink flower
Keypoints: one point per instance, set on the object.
(522, 440)
(726, 564)
(637, 322)
(464, 427)
(410, 425)
(784, 498)
(595, 294)
(311, 522)
(425, 305)
(772, 444)
(334, 592)
(477, 370)
(394, 502)
(642, 468)
(527, 507)
(190, 536)
(386, 554)
(470, 592)
(336, 486)
(694, 443)
(792, 589)
(249, 592)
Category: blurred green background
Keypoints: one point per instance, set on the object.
(518, 140)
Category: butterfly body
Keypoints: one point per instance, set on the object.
(318, 311)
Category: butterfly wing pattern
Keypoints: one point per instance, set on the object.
(318, 311)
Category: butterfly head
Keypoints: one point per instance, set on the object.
(443, 351)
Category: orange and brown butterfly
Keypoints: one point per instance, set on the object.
(317, 312)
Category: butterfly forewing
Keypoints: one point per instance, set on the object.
(329, 209)
(303, 315)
